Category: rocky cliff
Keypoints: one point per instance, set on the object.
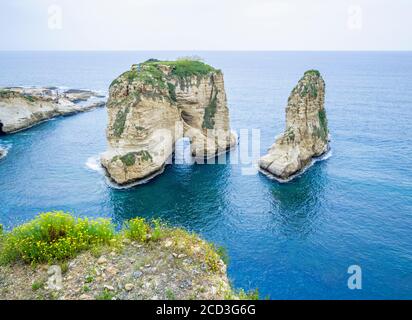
(59, 257)
(155, 104)
(21, 108)
(306, 134)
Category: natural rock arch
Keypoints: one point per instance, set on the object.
(156, 103)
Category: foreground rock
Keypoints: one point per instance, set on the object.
(21, 108)
(156, 103)
(174, 268)
(306, 134)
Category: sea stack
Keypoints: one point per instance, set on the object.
(156, 103)
(306, 135)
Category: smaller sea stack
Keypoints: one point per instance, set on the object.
(306, 135)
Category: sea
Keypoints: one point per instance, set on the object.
(294, 240)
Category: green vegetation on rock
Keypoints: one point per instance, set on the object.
(7, 94)
(313, 72)
(29, 98)
(290, 135)
(323, 130)
(148, 74)
(210, 110)
(93, 245)
(183, 68)
(36, 285)
(105, 295)
(172, 91)
(4, 94)
(57, 236)
(129, 159)
(54, 236)
(151, 72)
(309, 88)
(120, 121)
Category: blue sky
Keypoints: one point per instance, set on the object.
(206, 25)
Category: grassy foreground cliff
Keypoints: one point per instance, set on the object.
(58, 256)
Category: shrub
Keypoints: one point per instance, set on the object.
(170, 295)
(64, 267)
(105, 295)
(137, 229)
(243, 295)
(37, 285)
(222, 252)
(212, 258)
(54, 236)
(157, 232)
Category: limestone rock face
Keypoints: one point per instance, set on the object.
(21, 108)
(306, 135)
(156, 103)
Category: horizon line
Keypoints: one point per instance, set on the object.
(196, 50)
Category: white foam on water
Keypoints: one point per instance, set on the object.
(6, 147)
(93, 163)
(323, 157)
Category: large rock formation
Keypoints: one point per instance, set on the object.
(156, 103)
(21, 108)
(306, 135)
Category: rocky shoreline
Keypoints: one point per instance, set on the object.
(22, 108)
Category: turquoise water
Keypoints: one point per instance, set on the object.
(293, 240)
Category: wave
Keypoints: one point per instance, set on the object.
(6, 148)
(323, 157)
(93, 163)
